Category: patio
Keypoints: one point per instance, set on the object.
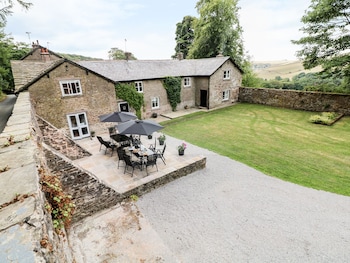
(105, 167)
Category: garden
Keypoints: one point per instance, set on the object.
(279, 142)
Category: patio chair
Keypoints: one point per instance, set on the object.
(160, 153)
(106, 144)
(131, 163)
(151, 161)
(120, 153)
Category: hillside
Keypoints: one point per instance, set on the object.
(283, 68)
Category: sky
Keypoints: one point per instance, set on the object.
(147, 27)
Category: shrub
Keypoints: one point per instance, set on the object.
(325, 118)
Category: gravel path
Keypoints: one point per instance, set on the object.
(230, 212)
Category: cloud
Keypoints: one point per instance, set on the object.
(92, 27)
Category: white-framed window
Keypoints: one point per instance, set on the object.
(70, 87)
(139, 86)
(227, 74)
(155, 103)
(187, 82)
(78, 125)
(225, 95)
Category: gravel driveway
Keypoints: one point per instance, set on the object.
(227, 212)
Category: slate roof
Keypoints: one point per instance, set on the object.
(122, 70)
(25, 71)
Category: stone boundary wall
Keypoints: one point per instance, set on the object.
(26, 230)
(298, 100)
(89, 194)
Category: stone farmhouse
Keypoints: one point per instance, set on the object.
(71, 95)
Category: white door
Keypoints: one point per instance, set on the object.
(78, 125)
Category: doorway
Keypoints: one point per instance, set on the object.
(124, 106)
(78, 125)
(204, 98)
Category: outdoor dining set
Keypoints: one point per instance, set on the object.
(125, 139)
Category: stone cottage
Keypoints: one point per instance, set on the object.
(71, 95)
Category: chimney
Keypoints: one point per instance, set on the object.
(45, 54)
(180, 56)
(35, 45)
(127, 56)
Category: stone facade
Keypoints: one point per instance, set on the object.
(298, 100)
(217, 85)
(98, 96)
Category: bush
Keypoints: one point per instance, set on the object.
(326, 118)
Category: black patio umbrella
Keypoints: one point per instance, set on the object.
(118, 116)
(139, 127)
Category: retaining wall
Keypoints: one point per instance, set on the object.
(298, 100)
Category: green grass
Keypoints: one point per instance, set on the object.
(278, 142)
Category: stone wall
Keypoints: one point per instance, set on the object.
(298, 100)
(217, 85)
(59, 141)
(186, 170)
(26, 230)
(89, 194)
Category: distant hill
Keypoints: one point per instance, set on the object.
(282, 68)
(74, 57)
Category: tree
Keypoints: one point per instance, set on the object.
(9, 51)
(7, 5)
(250, 78)
(217, 30)
(184, 36)
(118, 54)
(327, 40)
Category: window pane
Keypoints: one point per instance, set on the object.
(84, 130)
(73, 121)
(76, 133)
(82, 119)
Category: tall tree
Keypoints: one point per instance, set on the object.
(217, 30)
(7, 6)
(184, 36)
(327, 40)
(118, 54)
(9, 50)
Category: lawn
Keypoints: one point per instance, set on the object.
(278, 142)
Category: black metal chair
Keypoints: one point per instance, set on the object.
(120, 153)
(160, 153)
(131, 163)
(151, 161)
(108, 145)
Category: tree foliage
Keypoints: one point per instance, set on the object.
(217, 30)
(118, 54)
(9, 50)
(307, 82)
(7, 6)
(327, 40)
(250, 78)
(184, 35)
(127, 92)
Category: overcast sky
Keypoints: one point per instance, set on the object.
(147, 27)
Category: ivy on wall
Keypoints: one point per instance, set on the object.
(127, 92)
(172, 86)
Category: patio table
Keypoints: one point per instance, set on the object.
(141, 153)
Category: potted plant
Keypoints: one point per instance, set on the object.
(181, 148)
(161, 139)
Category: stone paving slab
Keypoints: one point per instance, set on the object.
(18, 181)
(16, 212)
